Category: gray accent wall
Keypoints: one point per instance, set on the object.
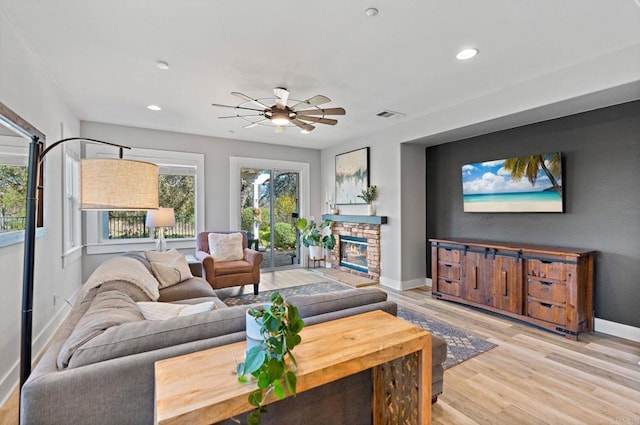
(601, 165)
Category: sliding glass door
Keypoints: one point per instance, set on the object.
(268, 208)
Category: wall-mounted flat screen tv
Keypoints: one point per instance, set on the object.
(521, 184)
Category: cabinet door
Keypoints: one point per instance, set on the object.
(504, 282)
(473, 279)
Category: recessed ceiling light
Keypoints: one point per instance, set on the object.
(162, 65)
(154, 108)
(303, 131)
(371, 12)
(466, 54)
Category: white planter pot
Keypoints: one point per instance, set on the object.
(254, 337)
(315, 252)
(372, 209)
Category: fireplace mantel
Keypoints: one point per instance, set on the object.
(362, 219)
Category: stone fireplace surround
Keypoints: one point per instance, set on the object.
(367, 227)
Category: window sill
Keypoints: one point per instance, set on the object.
(71, 256)
(112, 247)
(13, 238)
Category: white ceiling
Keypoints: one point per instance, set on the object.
(102, 55)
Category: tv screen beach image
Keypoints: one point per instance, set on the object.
(520, 184)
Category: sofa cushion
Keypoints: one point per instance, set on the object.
(163, 311)
(226, 247)
(108, 309)
(191, 288)
(169, 267)
(147, 335)
(312, 305)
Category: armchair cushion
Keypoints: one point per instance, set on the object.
(233, 267)
(225, 247)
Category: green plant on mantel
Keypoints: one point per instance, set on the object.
(280, 326)
(312, 235)
(369, 194)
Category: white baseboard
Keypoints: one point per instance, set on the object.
(10, 380)
(428, 282)
(405, 284)
(616, 329)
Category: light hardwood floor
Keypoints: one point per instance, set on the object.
(532, 377)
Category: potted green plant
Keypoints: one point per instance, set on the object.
(269, 362)
(313, 236)
(369, 195)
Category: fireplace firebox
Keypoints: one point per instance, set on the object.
(353, 253)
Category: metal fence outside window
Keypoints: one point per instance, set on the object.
(124, 225)
(12, 223)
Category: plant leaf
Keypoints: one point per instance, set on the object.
(255, 398)
(278, 389)
(291, 380)
(255, 358)
(253, 418)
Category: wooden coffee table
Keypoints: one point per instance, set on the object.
(201, 387)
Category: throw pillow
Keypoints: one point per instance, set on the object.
(162, 257)
(163, 311)
(226, 247)
(172, 272)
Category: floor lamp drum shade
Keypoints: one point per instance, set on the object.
(118, 184)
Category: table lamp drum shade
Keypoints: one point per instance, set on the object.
(118, 184)
(162, 217)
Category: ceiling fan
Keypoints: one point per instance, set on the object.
(282, 111)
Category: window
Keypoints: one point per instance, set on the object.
(177, 190)
(181, 186)
(71, 221)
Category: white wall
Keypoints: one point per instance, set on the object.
(28, 90)
(217, 153)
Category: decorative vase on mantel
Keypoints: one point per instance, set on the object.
(372, 208)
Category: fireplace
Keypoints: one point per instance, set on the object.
(353, 253)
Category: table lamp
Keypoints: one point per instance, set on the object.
(159, 219)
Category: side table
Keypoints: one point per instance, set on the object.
(313, 261)
(195, 265)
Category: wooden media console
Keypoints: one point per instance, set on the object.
(550, 287)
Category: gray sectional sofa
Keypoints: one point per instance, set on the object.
(99, 368)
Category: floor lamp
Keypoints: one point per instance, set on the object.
(159, 219)
(105, 184)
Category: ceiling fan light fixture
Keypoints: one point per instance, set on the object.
(280, 118)
(305, 131)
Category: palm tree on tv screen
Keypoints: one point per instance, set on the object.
(530, 166)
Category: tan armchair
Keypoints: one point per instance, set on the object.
(223, 274)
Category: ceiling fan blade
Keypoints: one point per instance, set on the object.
(240, 116)
(255, 123)
(303, 125)
(250, 99)
(328, 111)
(236, 107)
(312, 101)
(282, 95)
(329, 121)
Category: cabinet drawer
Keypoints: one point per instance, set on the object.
(449, 271)
(450, 287)
(547, 312)
(545, 269)
(548, 291)
(449, 255)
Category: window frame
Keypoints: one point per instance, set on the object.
(95, 243)
(71, 214)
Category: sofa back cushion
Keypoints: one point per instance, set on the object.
(313, 305)
(147, 335)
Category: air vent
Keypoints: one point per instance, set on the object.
(390, 114)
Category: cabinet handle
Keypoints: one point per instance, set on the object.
(545, 305)
(448, 266)
(546, 283)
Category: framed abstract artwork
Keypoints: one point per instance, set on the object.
(352, 176)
